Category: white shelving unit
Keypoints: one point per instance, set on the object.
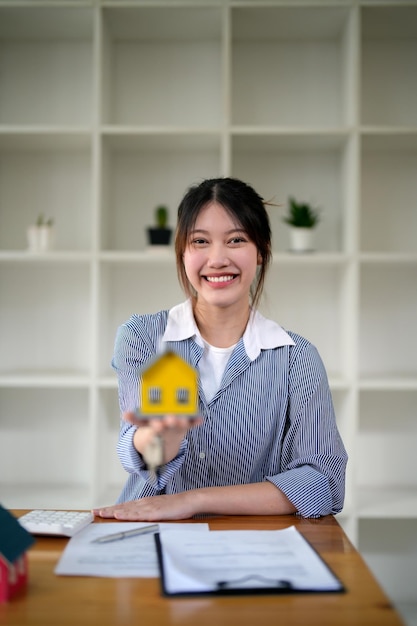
(108, 108)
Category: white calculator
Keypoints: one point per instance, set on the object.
(58, 523)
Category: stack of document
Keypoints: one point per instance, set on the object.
(191, 559)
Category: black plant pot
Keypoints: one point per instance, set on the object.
(159, 236)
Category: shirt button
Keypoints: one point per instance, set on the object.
(202, 455)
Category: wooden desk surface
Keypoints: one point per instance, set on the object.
(78, 601)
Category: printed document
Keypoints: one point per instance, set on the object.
(130, 557)
(252, 560)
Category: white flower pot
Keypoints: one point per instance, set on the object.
(301, 239)
(40, 238)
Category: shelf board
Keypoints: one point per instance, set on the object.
(156, 254)
(388, 383)
(44, 137)
(266, 139)
(311, 258)
(394, 258)
(394, 136)
(50, 378)
(53, 256)
(174, 136)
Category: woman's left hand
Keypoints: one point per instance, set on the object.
(153, 509)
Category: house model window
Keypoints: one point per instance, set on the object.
(155, 395)
(169, 385)
(183, 395)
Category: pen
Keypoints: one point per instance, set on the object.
(143, 530)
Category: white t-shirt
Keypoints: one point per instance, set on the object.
(212, 365)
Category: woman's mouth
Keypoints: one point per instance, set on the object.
(220, 279)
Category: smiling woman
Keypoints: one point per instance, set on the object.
(248, 222)
(220, 262)
(266, 440)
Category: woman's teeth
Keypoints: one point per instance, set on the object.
(218, 279)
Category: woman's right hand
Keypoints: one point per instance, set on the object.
(170, 428)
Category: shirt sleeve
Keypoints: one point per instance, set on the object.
(313, 455)
(132, 349)
(133, 463)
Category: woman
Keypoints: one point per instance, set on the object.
(267, 440)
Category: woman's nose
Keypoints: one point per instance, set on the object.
(218, 257)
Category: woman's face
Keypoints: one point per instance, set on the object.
(220, 260)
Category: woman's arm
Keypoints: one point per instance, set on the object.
(252, 499)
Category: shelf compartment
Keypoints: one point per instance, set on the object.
(389, 58)
(48, 308)
(162, 65)
(388, 197)
(313, 168)
(127, 289)
(306, 299)
(140, 172)
(50, 174)
(396, 502)
(291, 66)
(111, 475)
(390, 549)
(46, 65)
(387, 432)
(43, 443)
(388, 296)
(46, 496)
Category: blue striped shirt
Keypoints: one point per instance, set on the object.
(271, 419)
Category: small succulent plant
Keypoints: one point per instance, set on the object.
(41, 221)
(161, 216)
(301, 214)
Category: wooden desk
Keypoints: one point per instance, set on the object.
(75, 601)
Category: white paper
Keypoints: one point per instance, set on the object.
(126, 558)
(242, 559)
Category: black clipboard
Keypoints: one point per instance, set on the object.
(232, 588)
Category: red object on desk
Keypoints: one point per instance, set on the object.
(14, 542)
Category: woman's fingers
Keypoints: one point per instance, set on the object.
(166, 422)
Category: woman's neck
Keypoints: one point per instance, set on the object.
(221, 327)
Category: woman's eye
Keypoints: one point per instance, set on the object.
(237, 240)
(198, 241)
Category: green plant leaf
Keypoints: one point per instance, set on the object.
(161, 216)
(301, 214)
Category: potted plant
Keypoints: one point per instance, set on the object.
(160, 234)
(40, 235)
(302, 219)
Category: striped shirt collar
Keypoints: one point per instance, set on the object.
(260, 334)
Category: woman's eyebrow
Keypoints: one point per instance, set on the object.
(227, 232)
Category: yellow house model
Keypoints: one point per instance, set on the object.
(168, 386)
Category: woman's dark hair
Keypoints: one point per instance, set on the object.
(242, 202)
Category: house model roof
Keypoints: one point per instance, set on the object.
(14, 539)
